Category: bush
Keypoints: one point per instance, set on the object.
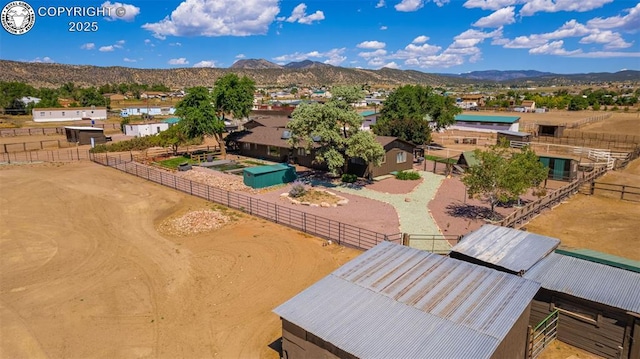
(297, 190)
(349, 178)
(405, 175)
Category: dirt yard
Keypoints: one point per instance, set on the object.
(85, 272)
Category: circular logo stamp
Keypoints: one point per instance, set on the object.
(18, 17)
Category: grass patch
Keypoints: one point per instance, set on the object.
(173, 163)
(406, 175)
(256, 163)
(227, 167)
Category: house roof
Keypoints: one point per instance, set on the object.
(271, 121)
(68, 108)
(84, 128)
(267, 169)
(261, 135)
(487, 119)
(470, 158)
(588, 280)
(368, 113)
(419, 302)
(172, 120)
(603, 258)
(507, 248)
(528, 103)
(386, 140)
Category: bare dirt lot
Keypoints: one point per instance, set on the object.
(85, 272)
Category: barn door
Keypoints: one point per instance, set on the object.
(558, 169)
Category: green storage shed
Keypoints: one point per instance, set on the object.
(560, 168)
(265, 176)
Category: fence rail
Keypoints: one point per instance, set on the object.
(339, 232)
(35, 145)
(543, 334)
(58, 155)
(621, 191)
(434, 243)
(526, 213)
(38, 131)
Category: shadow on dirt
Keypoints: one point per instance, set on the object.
(469, 211)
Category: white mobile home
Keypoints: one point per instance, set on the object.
(147, 129)
(69, 114)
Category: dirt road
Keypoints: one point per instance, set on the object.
(84, 272)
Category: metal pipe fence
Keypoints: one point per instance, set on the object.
(336, 231)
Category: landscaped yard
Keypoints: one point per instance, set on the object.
(173, 163)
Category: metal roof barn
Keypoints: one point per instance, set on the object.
(504, 248)
(400, 302)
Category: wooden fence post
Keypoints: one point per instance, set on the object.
(593, 187)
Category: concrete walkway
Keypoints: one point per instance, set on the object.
(414, 215)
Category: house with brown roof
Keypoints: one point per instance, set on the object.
(267, 121)
(529, 106)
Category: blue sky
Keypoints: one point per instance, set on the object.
(437, 36)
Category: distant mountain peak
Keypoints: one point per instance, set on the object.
(255, 64)
(306, 64)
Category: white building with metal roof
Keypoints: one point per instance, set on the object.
(399, 302)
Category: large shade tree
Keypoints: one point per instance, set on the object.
(198, 116)
(233, 96)
(333, 131)
(412, 111)
(502, 174)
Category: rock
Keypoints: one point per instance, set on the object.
(325, 204)
(330, 193)
(343, 202)
(407, 199)
(295, 201)
(334, 205)
(314, 205)
(305, 203)
(286, 194)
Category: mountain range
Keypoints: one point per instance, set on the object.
(303, 73)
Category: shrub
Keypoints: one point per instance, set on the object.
(349, 178)
(405, 175)
(297, 189)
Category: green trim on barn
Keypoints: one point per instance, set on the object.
(487, 119)
(602, 258)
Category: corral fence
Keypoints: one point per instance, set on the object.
(59, 155)
(434, 243)
(613, 190)
(39, 131)
(338, 232)
(35, 145)
(523, 215)
(587, 142)
(542, 335)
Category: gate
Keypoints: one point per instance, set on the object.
(542, 335)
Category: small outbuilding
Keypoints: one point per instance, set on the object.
(484, 123)
(145, 129)
(394, 301)
(514, 136)
(83, 135)
(560, 168)
(550, 130)
(266, 176)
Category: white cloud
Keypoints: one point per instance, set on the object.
(217, 18)
(610, 39)
(106, 48)
(130, 11)
(380, 4)
(126, 59)
(45, 59)
(178, 61)
(534, 6)
(383, 27)
(420, 39)
(409, 5)
(119, 44)
(391, 65)
(205, 63)
(240, 56)
(553, 48)
(412, 50)
(440, 3)
(370, 54)
(175, 44)
(333, 56)
(88, 46)
(371, 45)
(570, 28)
(299, 14)
(630, 21)
(605, 54)
(490, 4)
(499, 18)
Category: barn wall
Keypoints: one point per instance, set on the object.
(594, 327)
(261, 152)
(298, 343)
(84, 137)
(514, 344)
(484, 127)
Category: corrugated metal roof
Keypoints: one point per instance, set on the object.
(604, 258)
(596, 282)
(515, 133)
(420, 303)
(488, 119)
(505, 247)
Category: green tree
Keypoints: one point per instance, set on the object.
(408, 112)
(233, 95)
(578, 103)
(503, 174)
(333, 130)
(173, 137)
(198, 116)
